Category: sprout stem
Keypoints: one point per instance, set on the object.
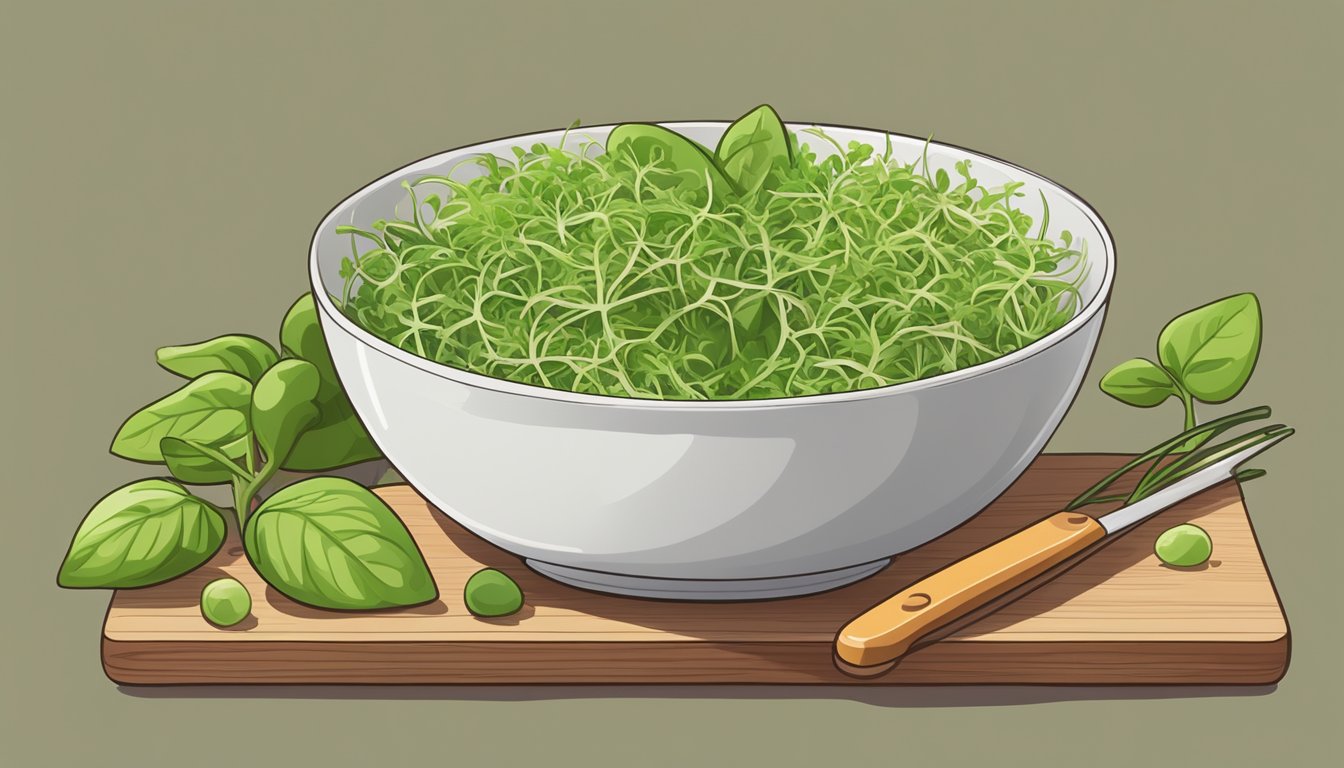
(1190, 439)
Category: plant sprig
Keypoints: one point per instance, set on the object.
(248, 413)
(1205, 355)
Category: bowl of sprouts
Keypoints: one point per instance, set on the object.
(712, 360)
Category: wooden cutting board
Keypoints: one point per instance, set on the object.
(1118, 617)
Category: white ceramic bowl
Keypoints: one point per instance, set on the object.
(712, 500)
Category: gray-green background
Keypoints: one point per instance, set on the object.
(164, 165)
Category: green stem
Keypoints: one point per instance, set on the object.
(250, 490)
(242, 489)
(240, 502)
(1189, 402)
(251, 454)
(1195, 460)
(1107, 499)
(1191, 437)
(245, 491)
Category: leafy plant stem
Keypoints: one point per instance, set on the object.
(1205, 355)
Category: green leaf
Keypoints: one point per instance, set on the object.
(754, 145)
(141, 534)
(337, 438)
(200, 464)
(942, 182)
(331, 543)
(246, 356)
(211, 410)
(1212, 350)
(679, 163)
(284, 405)
(301, 337)
(328, 446)
(1139, 382)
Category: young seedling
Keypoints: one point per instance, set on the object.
(1205, 355)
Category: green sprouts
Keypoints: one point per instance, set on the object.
(1184, 455)
(663, 269)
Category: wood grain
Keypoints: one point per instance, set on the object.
(1119, 616)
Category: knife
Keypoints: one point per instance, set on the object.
(1004, 571)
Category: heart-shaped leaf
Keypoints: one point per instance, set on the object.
(754, 145)
(331, 543)
(1212, 350)
(141, 534)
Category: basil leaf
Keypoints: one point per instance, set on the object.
(1212, 350)
(283, 406)
(200, 464)
(1138, 382)
(753, 146)
(337, 438)
(331, 445)
(246, 356)
(331, 543)
(678, 163)
(141, 534)
(301, 337)
(211, 410)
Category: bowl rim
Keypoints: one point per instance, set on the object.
(330, 313)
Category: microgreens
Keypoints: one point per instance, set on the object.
(658, 270)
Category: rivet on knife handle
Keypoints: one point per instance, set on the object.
(888, 630)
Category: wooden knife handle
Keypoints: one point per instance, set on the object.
(887, 631)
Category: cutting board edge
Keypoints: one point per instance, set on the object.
(1101, 663)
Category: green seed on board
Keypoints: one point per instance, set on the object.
(1184, 546)
(225, 602)
(491, 593)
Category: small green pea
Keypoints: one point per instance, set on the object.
(492, 593)
(225, 602)
(1185, 545)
